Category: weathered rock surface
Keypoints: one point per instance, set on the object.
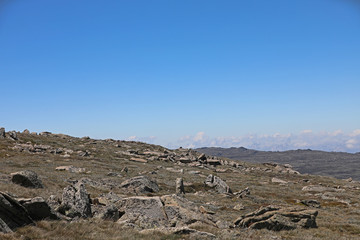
(311, 203)
(217, 183)
(38, 208)
(276, 219)
(108, 198)
(4, 228)
(278, 180)
(13, 135)
(26, 179)
(110, 213)
(165, 211)
(140, 184)
(146, 212)
(318, 188)
(2, 132)
(26, 131)
(182, 212)
(75, 201)
(180, 186)
(12, 213)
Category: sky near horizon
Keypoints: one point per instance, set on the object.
(270, 75)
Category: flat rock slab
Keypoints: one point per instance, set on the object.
(165, 211)
(276, 219)
(140, 185)
(138, 160)
(278, 180)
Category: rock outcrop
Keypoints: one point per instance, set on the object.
(38, 208)
(180, 186)
(276, 219)
(140, 185)
(165, 211)
(12, 214)
(218, 184)
(2, 132)
(76, 201)
(13, 135)
(26, 179)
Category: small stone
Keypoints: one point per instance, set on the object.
(203, 210)
(277, 180)
(180, 186)
(138, 160)
(311, 203)
(26, 131)
(239, 207)
(13, 135)
(202, 157)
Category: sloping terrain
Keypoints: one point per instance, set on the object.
(111, 189)
(336, 164)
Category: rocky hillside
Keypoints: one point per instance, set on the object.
(336, 164)
(54, 186)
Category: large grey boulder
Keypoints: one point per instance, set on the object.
(75, 201)
(218, 184)
(26, 179)
(276, 219)
(2, 132)
(38, 208)
(140, 185)
(165, 211)
(12, 214)
(146, 212)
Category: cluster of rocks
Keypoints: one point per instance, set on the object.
(195, 159)
(277, 218)
(278, 168)
(41, 148)
(168, 213)
(11, 134)
(139, 207)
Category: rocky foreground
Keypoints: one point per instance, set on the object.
(54, 186)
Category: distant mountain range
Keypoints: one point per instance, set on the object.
(336, 164)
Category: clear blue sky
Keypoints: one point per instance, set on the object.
(174, 68)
